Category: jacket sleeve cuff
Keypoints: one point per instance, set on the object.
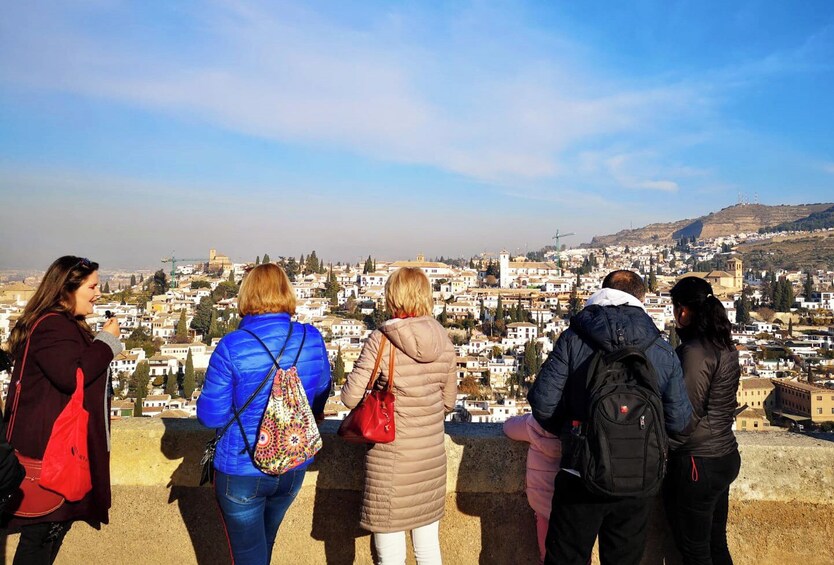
(110, 341)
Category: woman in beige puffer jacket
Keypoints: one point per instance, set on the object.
(405, 480)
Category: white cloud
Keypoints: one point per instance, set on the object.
(291, 76)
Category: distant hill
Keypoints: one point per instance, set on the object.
(816, 221)
(734, 219)
(793, 252)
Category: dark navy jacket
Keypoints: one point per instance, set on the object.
(238, 366)
(559, 395)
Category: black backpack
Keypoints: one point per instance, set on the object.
(620, 450)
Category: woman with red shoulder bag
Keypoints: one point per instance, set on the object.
(49, 343)
(405, 482)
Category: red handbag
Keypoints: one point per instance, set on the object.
(66, 465)
(31, 500)
(372, 420)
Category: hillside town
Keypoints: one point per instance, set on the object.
(503, 313)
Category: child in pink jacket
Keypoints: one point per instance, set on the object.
(543, 459)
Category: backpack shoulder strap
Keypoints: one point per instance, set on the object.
(270, 374)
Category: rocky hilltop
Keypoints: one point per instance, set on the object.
(731, 220)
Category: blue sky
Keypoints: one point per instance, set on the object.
(129, 130)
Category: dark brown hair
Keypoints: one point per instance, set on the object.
(627, 281)
(54, 294)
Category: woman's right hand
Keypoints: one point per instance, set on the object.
(111, 326)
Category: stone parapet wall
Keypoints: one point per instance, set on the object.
(782, 505)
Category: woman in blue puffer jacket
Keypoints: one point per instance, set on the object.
(253, 503)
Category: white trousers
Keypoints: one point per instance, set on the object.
(391, 547)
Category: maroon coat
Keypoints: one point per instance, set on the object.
(58, 346)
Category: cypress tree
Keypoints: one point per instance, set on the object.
(499, 310)
(132, 280)
(138, 385)
(808, 287)
(257, 259)
(171, 384)
(652, 281)
(181, 335)
(265, 260)
(339, 368)
(188, 381)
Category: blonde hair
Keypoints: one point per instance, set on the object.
(266, 289)
(408, 292)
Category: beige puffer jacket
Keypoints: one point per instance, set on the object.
(405, 480)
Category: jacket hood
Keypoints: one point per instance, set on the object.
(614, 327)
(423, 338)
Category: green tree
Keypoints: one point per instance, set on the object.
(159, 283)
(312, 264)
(224, 290)
(257, 259)
(231, 278)
(181, 335)
(339, 368)
(202, 316)
(743, 308)
(574, 303)
(790, 327)
(200, 284)
(652, 281)
(140, 337)
(808, 287)
(132, 280)
(332, 288)
(442, 318)
(188, 382)
(265, 259)
(106, 289)
(138, 385)
(213, 329)
(200, 377)
(369, 265)
(499, 309)
(171, 384)
(291, 268)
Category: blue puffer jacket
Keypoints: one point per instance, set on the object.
(559, 394)
(238, 366)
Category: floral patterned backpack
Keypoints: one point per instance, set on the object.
(288, 435)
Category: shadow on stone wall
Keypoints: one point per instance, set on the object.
(337, 501)
(507, 523)
(197, 505)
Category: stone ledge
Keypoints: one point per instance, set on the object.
(776, 466)
(781, 505)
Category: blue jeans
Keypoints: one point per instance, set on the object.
(253, 508)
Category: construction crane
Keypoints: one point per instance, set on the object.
(174, 260)
(558, 237)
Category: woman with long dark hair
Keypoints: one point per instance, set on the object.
(59, 342)
(702, 467)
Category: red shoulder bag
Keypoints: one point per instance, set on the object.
(372, 420)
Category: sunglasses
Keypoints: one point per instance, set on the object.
(83, 262)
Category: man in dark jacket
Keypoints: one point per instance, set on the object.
(613, 318)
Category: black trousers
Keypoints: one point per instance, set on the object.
(578, 516)
(39, 543)
(696, 497)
